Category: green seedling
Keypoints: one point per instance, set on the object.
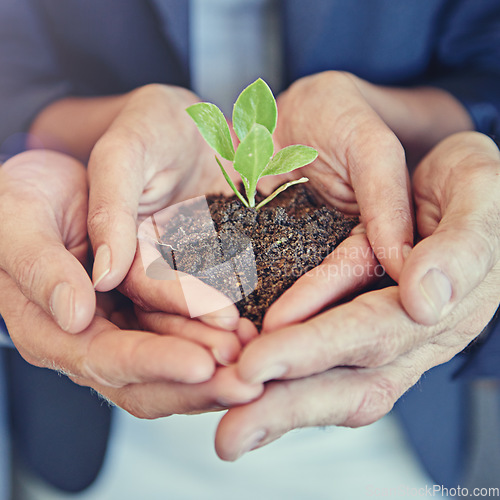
(254, 120)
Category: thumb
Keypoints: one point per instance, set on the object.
(383, 194)
(462, 223)
(136, 167)
(116, 185)
(39, 219)
(50, 276)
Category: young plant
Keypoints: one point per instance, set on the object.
(254, 119)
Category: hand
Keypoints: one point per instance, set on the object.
(366, 353)
(146, 374)
(357, 128)
(43, 206)
(456, 195)
(43, 198)
(151, 156)
(152, 297)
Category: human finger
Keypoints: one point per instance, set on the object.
(225, 346)
(343, 396)
(352, 395)
(361, 161)
(457, 215)
(126, 367)
(43, 230)
(102, 353)
(349, 268)
(159, 288)
(161, 399)
(370, 331)
(142, 158)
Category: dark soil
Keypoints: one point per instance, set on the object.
(254, 256)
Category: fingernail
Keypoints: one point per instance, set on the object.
(406, 250)
(229, 323)
(269, 373)
(436, 288)
(227, 402)
(62, 304)
(102, 264)
(222, 360)
(251, 442)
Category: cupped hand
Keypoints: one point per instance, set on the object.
(361, 168)
(345, 367)
(360, 130)
(348, 365)
(148, 154)
(151, 156)
(43, 206)
(222, 332)
(147, 374)
(458, 216)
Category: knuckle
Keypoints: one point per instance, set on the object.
(386, 349)
(378, 399)
(31, 358)
(99, 216)
(90, 365)
(28, 271)
(129, 402)
(389, 141)
(134, 292)
(336, 79)
(104, 216)
(125, 140)
(296, 415)
(132, 399)
(479, 248)
(401, 212)
(151, 89)
(375, 345)
(483, 243)
(325, 355)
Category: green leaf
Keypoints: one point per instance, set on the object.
(290, 158)
(255, 104)
(280, 190)
(213, 127)
(252, 157)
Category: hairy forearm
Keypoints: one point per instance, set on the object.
(421, 117)
(73, 125)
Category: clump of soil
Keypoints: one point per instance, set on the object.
(253, 256)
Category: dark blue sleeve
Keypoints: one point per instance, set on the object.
(466, 61)
(29, 74)
(51, 49)
(450, 44)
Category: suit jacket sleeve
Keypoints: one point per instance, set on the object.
(30, 77)
(52, 49)
(451, 44)
(467, 60)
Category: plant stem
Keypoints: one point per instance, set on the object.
(231, 183)
(251, 200)
(280, 190)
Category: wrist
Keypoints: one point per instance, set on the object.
(74, 124)
(420, 117)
